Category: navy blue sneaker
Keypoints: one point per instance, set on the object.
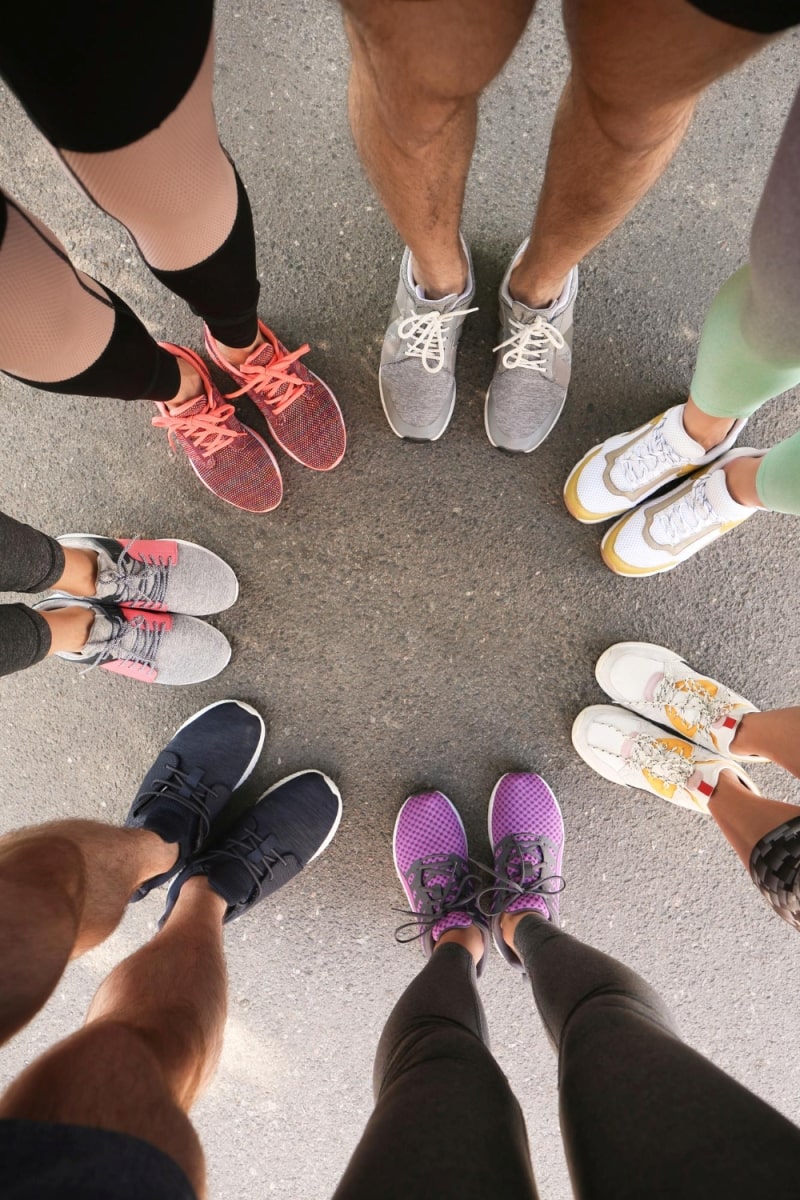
(290, 826)
(194, 777)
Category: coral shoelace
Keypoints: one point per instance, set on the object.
(267, 379)
(207, 430)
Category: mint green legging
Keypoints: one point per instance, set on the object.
(750, 346)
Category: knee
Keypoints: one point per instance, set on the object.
(636, 129)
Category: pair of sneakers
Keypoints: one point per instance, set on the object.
(186, 795)
(619, 475)
(431, 856)
(671, 731)
(417, 371)
(229, 457)
(147, 599)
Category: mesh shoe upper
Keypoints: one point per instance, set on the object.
(230, 458)
(301, 411)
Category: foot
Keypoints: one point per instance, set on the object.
(153, 647)
(624, 470)
(193, 778)
(526, 832)
(531, 374)
(418, 360)
(657, 684)
(162, 576)
(666, 531)
(229, 458)
(290, 826)
(626, 749)
(301, 411)
(431, 858)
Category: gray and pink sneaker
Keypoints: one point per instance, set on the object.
(432, 862)
(526, 830)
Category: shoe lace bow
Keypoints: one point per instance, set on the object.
(524, 868)
(426, 334)
(529, 344)
(185, 788)
(259, 856)
(668, 765)
(440, 885)
(693, 703)
(276, 381)
(207, 430)
(136, 579)
(134, 639)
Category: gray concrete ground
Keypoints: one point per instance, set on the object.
(425, 615)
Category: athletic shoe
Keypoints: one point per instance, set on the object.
(432, 863)
(193, 778)
(659, 685)
(628, 750)
(416, 378)
(301, 411)
(532, 370)
(163, 576)
(526, 832)
(290, 826)
(229, 458)
(624, 470)
(153, 647)
(665, 532)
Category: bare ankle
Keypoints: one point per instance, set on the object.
(191, 385)
(532, 292)
(79, 576)
(69, 628)
(470, 938)
(447, 276)
(707, 430)
(740, 477)
(239, 354)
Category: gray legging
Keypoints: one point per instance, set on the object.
(30, 561)
(750, 346)
(642, 1114)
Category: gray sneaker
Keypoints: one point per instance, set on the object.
(164, 575)
(534, 358)
(417, 372)
(153, 647)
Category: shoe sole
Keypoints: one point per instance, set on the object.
(646, 648)
(66, 539)
(311, 771)
(248, 708)
(404, 436)
(394, 835)
(512, 449)
(504, 949)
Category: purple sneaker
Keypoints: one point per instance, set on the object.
(432, 863)
(526, 830)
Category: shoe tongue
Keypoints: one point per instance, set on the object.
(724, 504)
(675, 434)
(262, 356)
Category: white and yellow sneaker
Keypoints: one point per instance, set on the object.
(657, 684)
(625, 469)
(628, 750)
(667, 530)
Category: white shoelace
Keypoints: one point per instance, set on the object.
(686, 517)
(691, 701)
(647, 754)
(529, 344)
(426, 334)
(646, 459)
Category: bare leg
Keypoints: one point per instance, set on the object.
(419, 67)
(63, 889)
(774, 735)
(637, 72)
(151, 1042)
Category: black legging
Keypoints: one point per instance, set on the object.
(643, 1116)
(30, 561)
(96, 78)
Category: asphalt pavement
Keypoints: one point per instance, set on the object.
(425, 615)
